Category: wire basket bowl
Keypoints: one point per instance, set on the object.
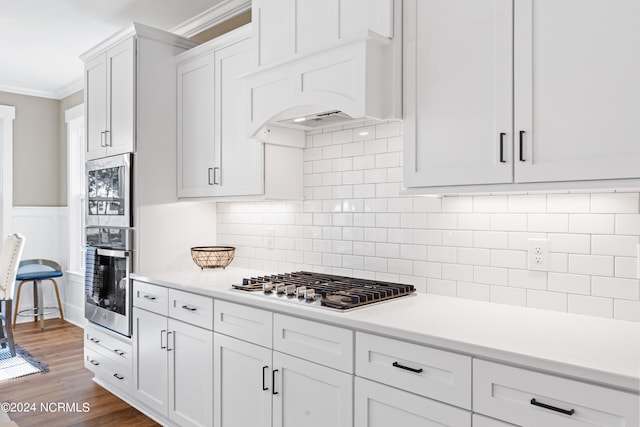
(212, 256)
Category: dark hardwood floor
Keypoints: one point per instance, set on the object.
(61, 346)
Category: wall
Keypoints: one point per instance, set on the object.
(355, 222)
(36, 162)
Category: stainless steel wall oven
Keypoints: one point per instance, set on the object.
(108, 266)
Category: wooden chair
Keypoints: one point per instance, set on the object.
(10, 254)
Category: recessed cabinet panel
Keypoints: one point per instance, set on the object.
(458, 92)
(315, 24)
(95, 98)
(359, 16)
(121, 112)
(275, 29)
(576, 66)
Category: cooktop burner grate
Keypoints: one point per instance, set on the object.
(337, 292)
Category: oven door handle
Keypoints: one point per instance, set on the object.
(113, 253)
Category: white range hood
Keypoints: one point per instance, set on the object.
(343, 80)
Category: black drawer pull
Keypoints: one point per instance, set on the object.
(95, 340)
(186, 307)
(397, 365)
(150, 297)
(94, 362)
(118, 376)
(273, 382)
(553, 408)
(118, 352)
(522, 146)
(502, 135)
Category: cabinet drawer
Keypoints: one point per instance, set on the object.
(380, 405)
(244, 323)
(106, 370)
(118, 350)
(324, 344)
(151, 297)
(517, 395)
(191, 308)
(437, 374)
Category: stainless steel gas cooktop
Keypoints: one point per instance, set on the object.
(325, 290)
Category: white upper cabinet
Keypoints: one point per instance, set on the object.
(215, 158)
(109, 83)
(457, 102)
(521, 94)
(576, 66)
(118, 73)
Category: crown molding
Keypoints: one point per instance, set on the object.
(29, 92)
(70, 89)
(213, 16)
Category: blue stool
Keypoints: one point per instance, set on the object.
(37, 270)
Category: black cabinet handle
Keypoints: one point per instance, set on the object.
(273, 382)
(264, 386)
(174, 340)
(502, 135)
(118, 352)
(162, 332)
(94, 362)
(209, 176)
(406, 368)
(553, 408)
(522, 146)
(95, 340)
(118, 376)
(186, 307)
(149, 297)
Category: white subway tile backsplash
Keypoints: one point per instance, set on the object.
(627, 267)
(627, 224)
(570, 243)
(507, 295)
(590, 306)
(615, 203)
(509, 259)
(355, 221)
(591, 223)
(474, 256)
(547, 300)
(491, 275)
(626, 310)
(558, 223)
(568, 203)
(509, 222)
(457, 204)
(527, 204)
(614, 287)
(591, 264)
(569, 283)
(457, 238)
(615, 245)
(490, 204)
(528, 279)
(491, 239)
(474, 291)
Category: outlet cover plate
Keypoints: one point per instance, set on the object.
(538, 254)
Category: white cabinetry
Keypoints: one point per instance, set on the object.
(173, 369)
(114, 102)
(109, 356)
(528, 398)
(215, 159)
(285, 389)
(500, 92)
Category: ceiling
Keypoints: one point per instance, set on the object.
(40, 40)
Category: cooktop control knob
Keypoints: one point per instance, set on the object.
(267, 287)
(280, 288)
(310, 294)
(300, 291)
(290, 290)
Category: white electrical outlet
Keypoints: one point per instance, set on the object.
(538, 254)
(269, 239)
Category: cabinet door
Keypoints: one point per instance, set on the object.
(378, 405)
(190, 351)
(310, 395)
(196, 151)
(576, 66)
(243, 380)
(458, 92)
(150, 359)
(95, 101)
(241, 158)
(121, 93)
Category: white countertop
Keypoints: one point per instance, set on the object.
(604, 351)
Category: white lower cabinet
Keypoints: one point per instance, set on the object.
(173, 369)
(481, 421)
(242, 387)
(378, 405)
(310, 395)
(530, 399)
